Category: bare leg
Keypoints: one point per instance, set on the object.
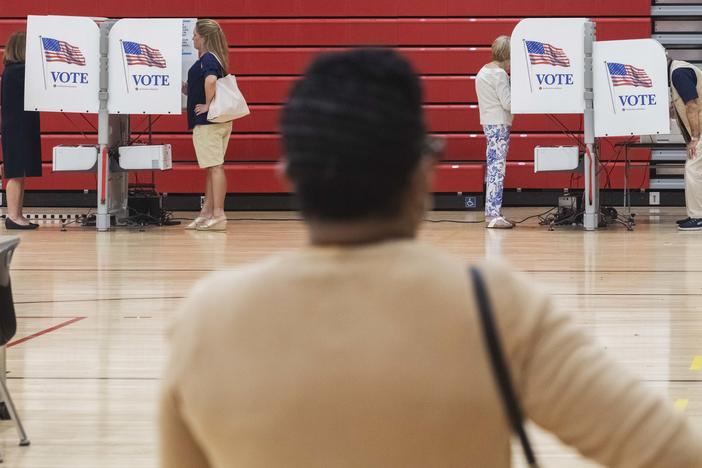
(21, 205)
(207, 207)
(14, 194)
(219, 190)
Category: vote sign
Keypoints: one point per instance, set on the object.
(547, 66)
(62, 68)
(145, 66)
(631, 88)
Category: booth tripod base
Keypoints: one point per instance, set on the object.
(568, 216)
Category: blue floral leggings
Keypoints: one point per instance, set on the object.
(496, 156)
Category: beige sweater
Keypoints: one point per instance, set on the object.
(372, 357)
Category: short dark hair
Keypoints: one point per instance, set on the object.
(353, 133)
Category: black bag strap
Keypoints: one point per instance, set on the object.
(499, 366)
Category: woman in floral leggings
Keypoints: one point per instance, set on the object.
(492, 87)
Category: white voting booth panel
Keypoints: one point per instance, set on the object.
(145, 157)
(145, 72)
(631, 88)
(547, 66)
(560, 158)
(62, 64)
(75, 158)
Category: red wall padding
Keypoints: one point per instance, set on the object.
(326, 8)
(611, 175)
(265, 178)
(272, 41)
(264, 118)
(390, 32)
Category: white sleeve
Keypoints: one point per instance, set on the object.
(503, 92)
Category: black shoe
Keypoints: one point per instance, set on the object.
(681, 221)
(692, 224)
(9, 224)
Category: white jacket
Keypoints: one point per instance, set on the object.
(494, 100)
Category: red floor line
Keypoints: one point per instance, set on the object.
(45, 317)
(45, 331)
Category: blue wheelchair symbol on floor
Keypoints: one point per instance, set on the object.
(471, 202)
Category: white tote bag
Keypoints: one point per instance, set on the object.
(228, 103)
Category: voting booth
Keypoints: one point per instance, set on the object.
(620, 87)
(112, 69)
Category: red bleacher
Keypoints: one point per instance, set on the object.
(271, 43)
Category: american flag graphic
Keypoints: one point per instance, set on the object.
(541, 53)
(141, 54)
(627, 75)
(62, 51)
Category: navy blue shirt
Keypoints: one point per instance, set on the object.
(685, 82)
(207, 65)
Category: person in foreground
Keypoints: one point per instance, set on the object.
(364, 349)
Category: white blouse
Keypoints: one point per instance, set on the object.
(494, 100)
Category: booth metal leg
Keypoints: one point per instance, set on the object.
(6, 399)
(592, 203)
(5, 396)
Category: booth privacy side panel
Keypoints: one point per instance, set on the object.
(145, 66)
(547, 66)
(631, 88)
(62, 64)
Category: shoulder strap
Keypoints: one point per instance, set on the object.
(221, 67)
(499, 366)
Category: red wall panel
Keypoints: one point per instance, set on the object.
(268, 148)
(611, 176)
(243, 178)
(459, 178)
(437, 89)
(264, 119)
(62, 180)
(400, 32)
(325, 8)
(294, 61)
(265, 178)
(389, 32)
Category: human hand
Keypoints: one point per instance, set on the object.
(184, 88)
(201, 108)
(692, 148)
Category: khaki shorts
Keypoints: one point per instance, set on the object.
(211, 142)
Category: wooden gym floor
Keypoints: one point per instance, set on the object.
(93, 307)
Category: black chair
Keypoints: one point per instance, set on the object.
(8, 328)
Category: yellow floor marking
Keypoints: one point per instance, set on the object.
(681, 404)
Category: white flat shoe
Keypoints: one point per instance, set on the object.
(499, 223)
(213, 224)
(193, 225)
